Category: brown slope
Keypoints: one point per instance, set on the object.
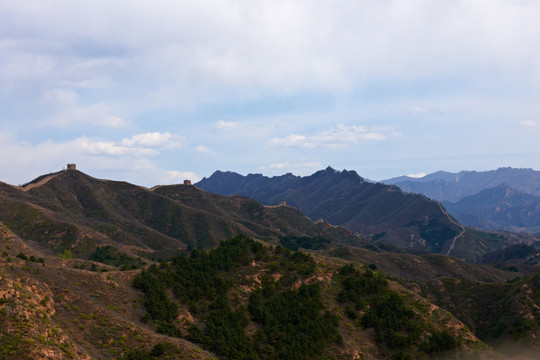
(50, 310)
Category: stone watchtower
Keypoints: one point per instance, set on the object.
(187, 182)
(71, 166)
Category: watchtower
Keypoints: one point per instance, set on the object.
(71, 166)
(187, 182)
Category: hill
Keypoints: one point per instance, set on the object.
(77, 213)
(383, 214)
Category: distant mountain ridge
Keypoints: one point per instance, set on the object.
(503, 199)
(445, 186)
(499, 208)
(382, 213)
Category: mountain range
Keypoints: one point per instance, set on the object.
(381, 213)
(446, 186)
(73, 211)
(100, 269)
(504, 199)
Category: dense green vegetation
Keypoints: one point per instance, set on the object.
(397, 327)
(282, 317)
(495, 312)
(292, 324)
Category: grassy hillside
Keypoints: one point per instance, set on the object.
(52, 309)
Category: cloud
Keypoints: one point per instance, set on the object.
(291, 141)
(203, 149)
(417, 176)
(69, 69)
(239, 48)
(334, 136)
(87, 146)
(68, 113)
(133, 154)
(226, 125)
(164, 140)
(529, 123)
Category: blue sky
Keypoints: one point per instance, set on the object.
(157, 92)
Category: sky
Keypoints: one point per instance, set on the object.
(155, 92)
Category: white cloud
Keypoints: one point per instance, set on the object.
(334, 136)
(95, 147)
(164, 140)
(203, 149)
(237, 47)
(32, 160)
(226, 125)
(291, 141)
(529, 123)
(417, 176)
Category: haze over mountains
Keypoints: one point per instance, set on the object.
(446, 186)
(503, 199)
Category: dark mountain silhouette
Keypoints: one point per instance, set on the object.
(382, 213)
